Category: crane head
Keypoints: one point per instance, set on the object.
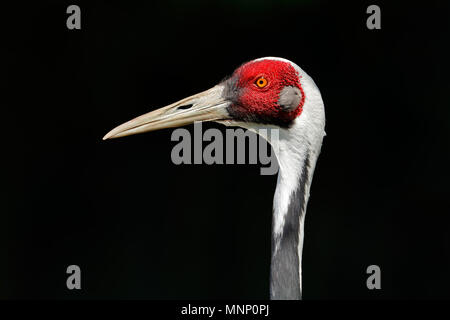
(265, 91)
(262, 91)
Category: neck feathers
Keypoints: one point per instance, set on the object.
(297, 151)
(287, 239)
(289, 208)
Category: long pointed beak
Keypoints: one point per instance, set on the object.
(208, 105)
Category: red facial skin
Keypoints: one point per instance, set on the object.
(261, 104)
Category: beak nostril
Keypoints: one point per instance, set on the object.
(188, 106)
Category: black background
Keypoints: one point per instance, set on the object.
(141, 227)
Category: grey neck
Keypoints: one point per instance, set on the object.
(287, 245)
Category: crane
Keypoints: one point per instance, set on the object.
(265, 93)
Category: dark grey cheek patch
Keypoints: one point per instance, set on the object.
(290, 98)
(231, 90)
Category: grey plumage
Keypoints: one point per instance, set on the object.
(285, 269)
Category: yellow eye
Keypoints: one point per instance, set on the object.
(261, 82)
